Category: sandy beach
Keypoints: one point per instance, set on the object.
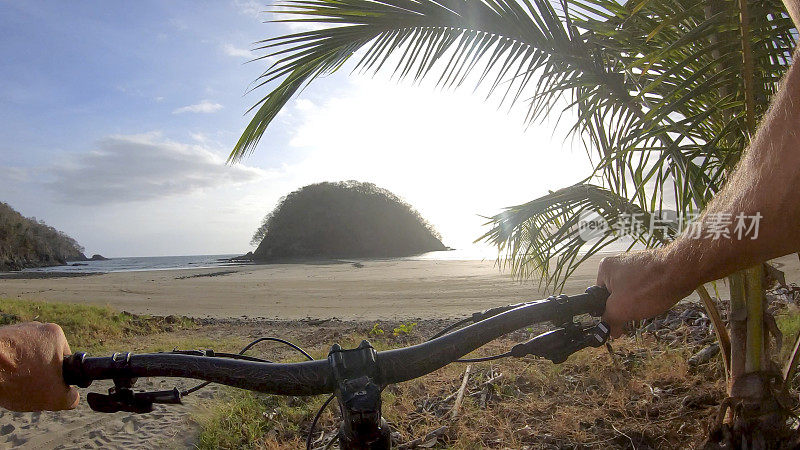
(351, 291)
(380, 289)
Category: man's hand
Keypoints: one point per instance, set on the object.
(31, 355)
(642, 285)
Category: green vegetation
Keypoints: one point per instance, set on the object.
(376, 330)
(89, 328)
(789, 325)
(251, 420)
(344, 219)
(404, 329)
(26, 242)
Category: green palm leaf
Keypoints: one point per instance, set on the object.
(544, 236)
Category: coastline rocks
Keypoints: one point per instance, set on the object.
(13, 262)
(247, 257)
(97, 257)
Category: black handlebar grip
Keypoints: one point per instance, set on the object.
(596, 305)
(72, 370)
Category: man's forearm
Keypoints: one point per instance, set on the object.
(793, 6)
(8, 359)
(766, 183)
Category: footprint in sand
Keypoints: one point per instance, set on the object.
(83, 428)
(131, 425)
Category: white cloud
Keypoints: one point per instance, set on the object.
(232, 50)
(201, 138)
(15, 180)
(304, 105)
(130, 168)
(251, 8)
(205, 107)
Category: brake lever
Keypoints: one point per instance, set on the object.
(557, 345)
(135, 402)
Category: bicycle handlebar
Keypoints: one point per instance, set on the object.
(316, 377)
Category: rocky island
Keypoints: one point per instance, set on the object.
(343, 219)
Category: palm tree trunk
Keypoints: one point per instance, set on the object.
(746, 313)
(748, 349)
(738, 323)
(756, 343)
(754, 418)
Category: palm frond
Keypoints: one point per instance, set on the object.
(544, 236)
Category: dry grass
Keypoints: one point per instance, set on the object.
(646, 396)
(590, 401)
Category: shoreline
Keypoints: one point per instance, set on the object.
(63, 270)
(364, 290)
(369, 290)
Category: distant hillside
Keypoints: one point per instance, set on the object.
(344, 219)
(27, 242)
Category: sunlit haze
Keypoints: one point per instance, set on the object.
(118, 119)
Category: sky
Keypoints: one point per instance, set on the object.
(117, 119)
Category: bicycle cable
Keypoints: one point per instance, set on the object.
(274, 339)
(241, 355)
(316, 419)
(483, 359)
(451, 328)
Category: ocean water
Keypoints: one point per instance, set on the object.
(129, 264)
